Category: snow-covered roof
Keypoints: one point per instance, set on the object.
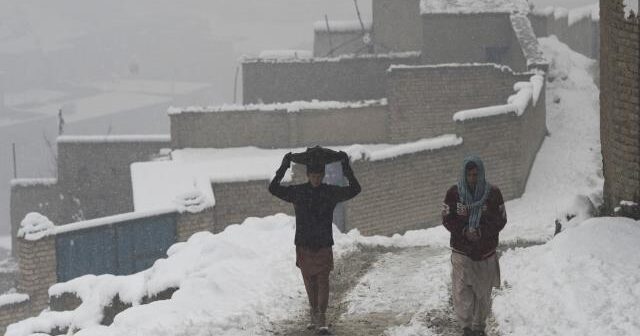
(13, 298)
(528, 40)
(296, 106)
(31, 182)
(285, 54)
(158, 184)
(113, 138)
(473, 6)
(500, 67)
(341, 26)
(526, 93)
(393, 55)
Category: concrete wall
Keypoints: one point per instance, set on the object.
(339, 79)
(279, 129)
(397, 25)
(422, 100)
(98, 173)
(479, 38)
(620, 104)
(336, 43)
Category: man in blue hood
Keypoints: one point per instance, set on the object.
(474, 213)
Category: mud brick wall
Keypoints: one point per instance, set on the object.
(189, 223)
(280, 129)
(403, 193)
(329, 79)
(619, 103)
(37, 265)
(12, 313)
(98, 173)
(423, 100)
(236, 201)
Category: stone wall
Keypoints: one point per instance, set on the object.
(397, 25)
(480, 38)
(422, 100)
(279, 129)
(620, 104)
(326, 79)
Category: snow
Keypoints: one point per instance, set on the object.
(14, 298)
(32, 96)
(546, 11)
(296, 106)
(569, 163)
(516, 103)
(586, 12)
(584, 282)
(92, 223)
(100, 105)
(527, 39)
(35, 226)
(216, 275)
(448, 65)
(285, 54)
(113, 138)
(629, 6)
(392, 55)
(473, 6)
(443, 141)
(32, 182)
(153, 87)
(157, 184)
(341, 26)
(560, 13)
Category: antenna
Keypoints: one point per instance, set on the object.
(365, 35)
(326, 20)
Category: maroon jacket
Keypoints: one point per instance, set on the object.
(493, 219)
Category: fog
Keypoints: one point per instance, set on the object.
(55, 54)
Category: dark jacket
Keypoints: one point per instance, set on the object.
(314, 207)
(493, 219)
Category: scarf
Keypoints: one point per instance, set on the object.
(473, 199)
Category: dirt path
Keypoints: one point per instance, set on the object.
(412, 307)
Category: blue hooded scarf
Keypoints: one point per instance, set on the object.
(473, 199)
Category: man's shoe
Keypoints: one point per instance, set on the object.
(324, 331)
(467, 332)
(313, 320)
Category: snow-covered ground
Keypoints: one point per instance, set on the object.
(585, 281)
(568, 168)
